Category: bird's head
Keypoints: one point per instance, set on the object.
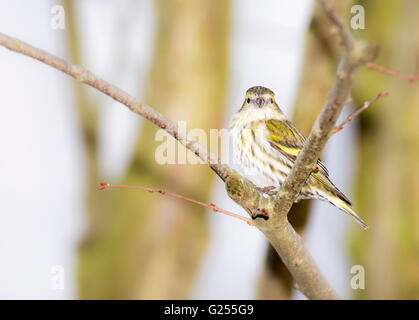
(259, 103)
(259, 97)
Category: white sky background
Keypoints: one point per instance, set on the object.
(41, 169)
(41, 159)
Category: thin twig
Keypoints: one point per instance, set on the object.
(412, 77)
(213, 207)
(347, 40)
(351, 116)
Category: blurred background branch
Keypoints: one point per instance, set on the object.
(386, 186)
(157, 243)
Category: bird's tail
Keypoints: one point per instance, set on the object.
(339, 200)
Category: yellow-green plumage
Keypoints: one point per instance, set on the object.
(266, 145)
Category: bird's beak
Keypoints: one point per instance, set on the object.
(259, 102)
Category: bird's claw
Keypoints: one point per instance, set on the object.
(259, 213)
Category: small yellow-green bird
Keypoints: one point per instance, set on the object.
(266, 145)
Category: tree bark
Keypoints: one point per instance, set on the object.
(187, 82)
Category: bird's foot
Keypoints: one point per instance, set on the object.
(259, 213)
(270, 190)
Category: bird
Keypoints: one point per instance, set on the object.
(266, 145)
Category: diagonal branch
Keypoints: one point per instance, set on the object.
(81, 74)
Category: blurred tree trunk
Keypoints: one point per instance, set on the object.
(387, 185)
(318, 72)
(146, 246)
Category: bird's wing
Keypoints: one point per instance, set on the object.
(289, 141)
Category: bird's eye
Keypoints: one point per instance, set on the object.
(248, 100)
(272, 100)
